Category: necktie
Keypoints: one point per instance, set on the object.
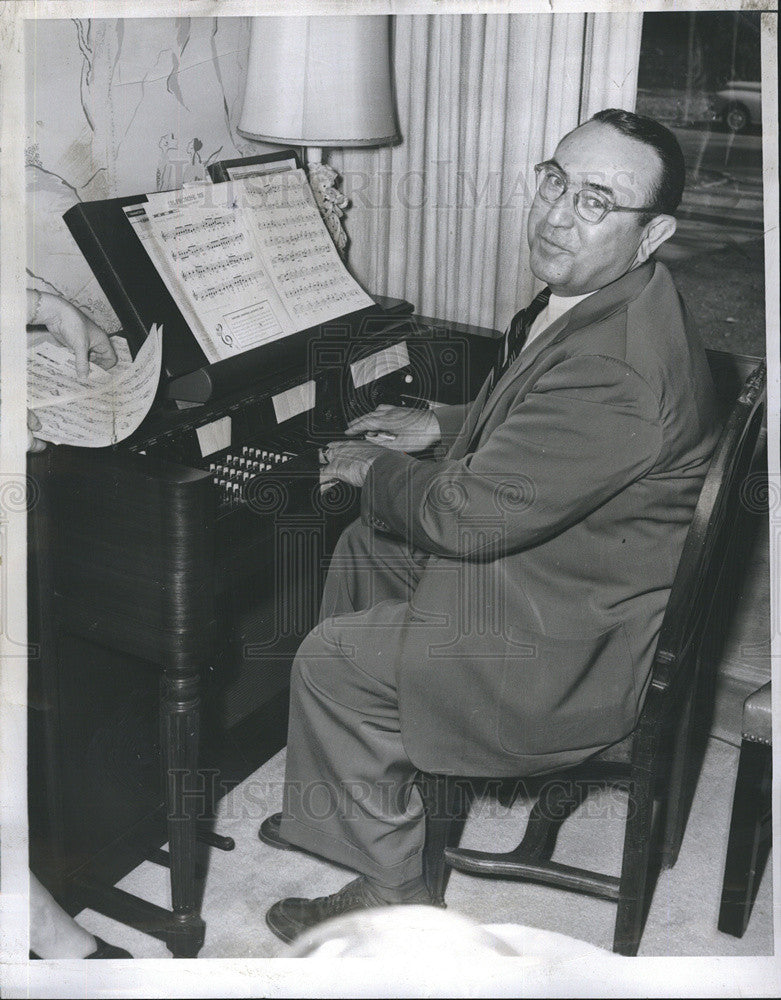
(517, 333)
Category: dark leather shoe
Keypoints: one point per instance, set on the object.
(269, 833)
(290, 917)
(103, 950)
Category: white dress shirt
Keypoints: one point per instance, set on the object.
(556, 307)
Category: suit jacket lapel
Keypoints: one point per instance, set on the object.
(548, 337)
(596, 307)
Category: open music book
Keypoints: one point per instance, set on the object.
(242, 274)
(247, 261)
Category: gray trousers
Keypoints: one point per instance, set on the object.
(349, 794)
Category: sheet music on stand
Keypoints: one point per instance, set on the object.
(248, 261)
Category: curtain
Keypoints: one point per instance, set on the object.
(440, 219)
(611, 58)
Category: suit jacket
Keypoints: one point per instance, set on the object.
(554, 527)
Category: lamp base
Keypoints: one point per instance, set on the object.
(323, 179)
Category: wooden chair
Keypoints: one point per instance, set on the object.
(749, 832)
(659, 761)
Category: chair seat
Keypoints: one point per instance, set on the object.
(757, 719)
(617, 753)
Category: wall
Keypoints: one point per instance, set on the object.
(119, 107)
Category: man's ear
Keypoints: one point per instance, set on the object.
(655, 232)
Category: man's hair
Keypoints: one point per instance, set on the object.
(669, 189)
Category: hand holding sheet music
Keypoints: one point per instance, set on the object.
(97, 413)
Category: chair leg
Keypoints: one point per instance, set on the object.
(679, 789)
(445, 800)
(633, 893)
(558, 800)
(749, 837)
(531, 860)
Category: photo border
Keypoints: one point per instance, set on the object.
(289, 977)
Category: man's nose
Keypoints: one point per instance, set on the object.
(561, 214)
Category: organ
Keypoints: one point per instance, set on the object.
(174, 575)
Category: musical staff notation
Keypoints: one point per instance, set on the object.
(252, 259)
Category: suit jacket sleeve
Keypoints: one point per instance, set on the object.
(451, 420)
(588, 428)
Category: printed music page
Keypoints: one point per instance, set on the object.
(106, 408)
(211, 253)
(138, 219)
(298, 250)
(248, 261)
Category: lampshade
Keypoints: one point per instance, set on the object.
(320, 81)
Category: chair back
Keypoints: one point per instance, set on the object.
(698, 581)
(729, 373)
(675, 719)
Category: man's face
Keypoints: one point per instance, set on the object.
(574, 256)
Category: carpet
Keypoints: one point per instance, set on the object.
(242, 884)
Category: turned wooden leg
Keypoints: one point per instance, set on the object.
(180, 722)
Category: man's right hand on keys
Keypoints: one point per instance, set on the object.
(399, 428)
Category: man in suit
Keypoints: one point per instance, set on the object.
(495, 611)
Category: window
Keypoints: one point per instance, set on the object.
(700, 74)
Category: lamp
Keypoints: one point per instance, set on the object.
(317, 82)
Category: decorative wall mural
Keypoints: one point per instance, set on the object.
(173, 170)
(117, 107)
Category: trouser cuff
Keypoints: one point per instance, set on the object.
(391, 874)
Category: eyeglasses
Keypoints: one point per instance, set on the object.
(591, 205)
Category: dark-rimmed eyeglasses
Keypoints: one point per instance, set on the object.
(591, 205)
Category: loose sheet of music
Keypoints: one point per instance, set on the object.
(101, 410)
(248, 261)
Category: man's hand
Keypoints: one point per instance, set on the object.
(407, 428)
(349, 461)
(73, 329)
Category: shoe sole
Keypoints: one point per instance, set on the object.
(281, 934)
(280, 845)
